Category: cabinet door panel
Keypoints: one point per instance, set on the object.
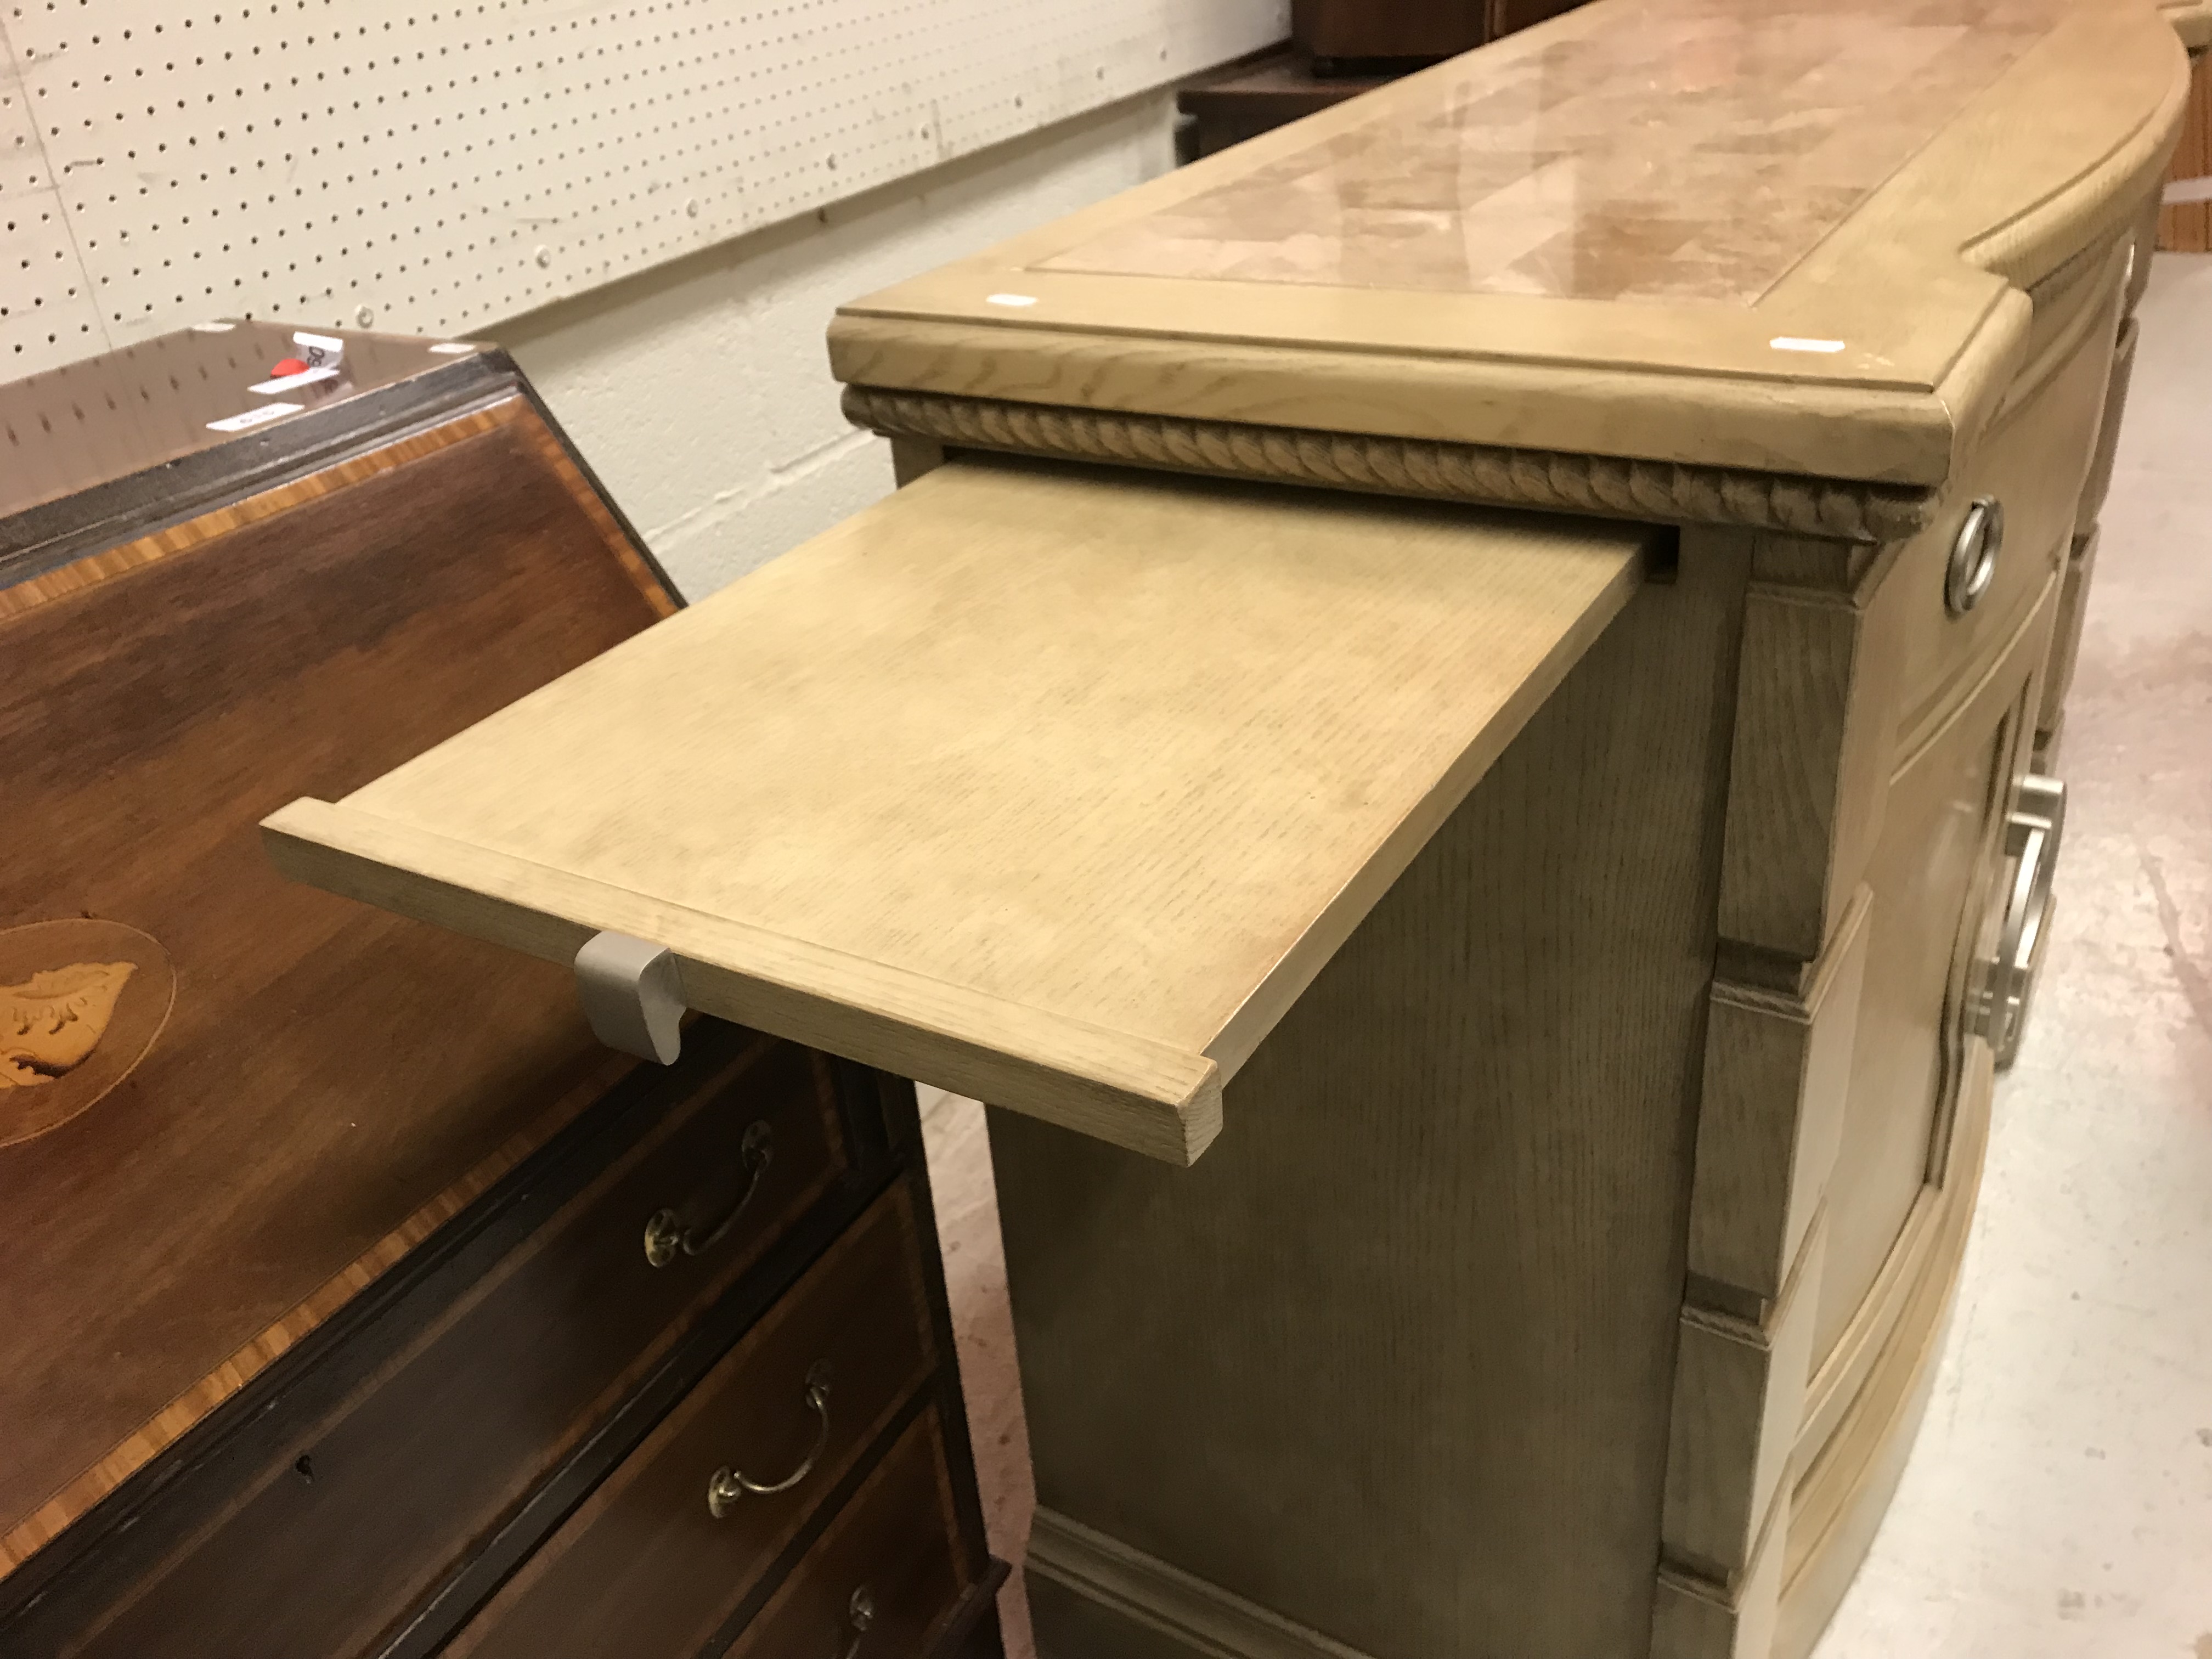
(1933, 876)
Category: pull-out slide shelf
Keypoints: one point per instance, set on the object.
(1051, 786)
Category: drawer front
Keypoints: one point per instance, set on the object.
(2066, 637)
(2033, 464)
(1934, 879)
(2099, 484)
(646, 1567)
(885, 1579)
(423, 1462)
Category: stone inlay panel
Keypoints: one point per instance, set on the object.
(1690, 150)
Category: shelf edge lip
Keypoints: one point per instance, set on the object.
(1134, 1091)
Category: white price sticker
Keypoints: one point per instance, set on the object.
(253, 417)
(319, 350)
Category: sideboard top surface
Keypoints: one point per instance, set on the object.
(1691, 152)
(1711, 232)
(1048, 785)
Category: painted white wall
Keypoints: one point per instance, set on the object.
(701, 393)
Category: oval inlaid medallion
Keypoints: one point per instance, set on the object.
(81, 1002)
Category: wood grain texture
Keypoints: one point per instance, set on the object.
(1155, 1098)
(1776, 1068)
(1410, 1387)
(230, 1193)
(255, 1355)
(1739, 1389)
(1813, 729)
(511, 418)
(414, 1468)
(2022, 168)
(642, 1567)
(1058, 805)
(893, 1542)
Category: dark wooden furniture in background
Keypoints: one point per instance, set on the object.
(1388, 31)
(1348, 35)
(1258, 96)
(329, 1299)
(2186, 226)
(1340, 49)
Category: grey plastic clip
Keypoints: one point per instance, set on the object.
(631, 996)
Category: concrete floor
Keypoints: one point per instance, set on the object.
(2058, 1501)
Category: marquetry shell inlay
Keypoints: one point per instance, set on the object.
(81, 1000)
(51, 1024)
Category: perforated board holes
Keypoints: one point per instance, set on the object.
(284, 158)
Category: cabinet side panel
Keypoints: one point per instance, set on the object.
(1393, 1361)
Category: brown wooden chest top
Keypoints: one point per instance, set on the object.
(227, 1101)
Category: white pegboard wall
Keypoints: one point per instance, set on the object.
(432, 167)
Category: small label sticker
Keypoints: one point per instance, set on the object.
(213, 328)
(253, 417)
(453, 348)
(1010, 299)
(306, 377)
(318, 349)
(1792, 343)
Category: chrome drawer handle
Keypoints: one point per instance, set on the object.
(665, 1235)
(2033, 832)
(860, 1610)
(1973, 563)
(727, 1485)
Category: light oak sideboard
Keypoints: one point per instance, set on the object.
(1444, 725)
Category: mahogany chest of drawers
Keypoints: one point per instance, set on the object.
(355, 1300)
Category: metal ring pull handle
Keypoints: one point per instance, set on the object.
(1973, 564)
(2032, 833)
(726, 1485)
(860, 1612)
(665, 1235)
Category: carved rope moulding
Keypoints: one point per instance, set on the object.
(1499, 476)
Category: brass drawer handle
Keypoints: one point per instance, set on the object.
(727, 1485)
(2033, 832)
(1973, 564)
(860, 1612)
(665, 1235)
